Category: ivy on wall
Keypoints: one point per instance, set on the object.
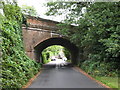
(17, 68)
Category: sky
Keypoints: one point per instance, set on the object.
(40, 8)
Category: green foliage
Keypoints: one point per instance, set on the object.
(96, 31)
(97, 68)
(67, 54)
(55, 49)
(110, 81)
(46, 57)
(16, 12)
(17, 68)
(29, 10)
(51, 51)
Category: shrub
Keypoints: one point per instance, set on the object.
(17, 68)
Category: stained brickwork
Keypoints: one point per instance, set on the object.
(39, 30)
(42, 33)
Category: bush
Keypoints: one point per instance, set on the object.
(97, 68)
(17, 68)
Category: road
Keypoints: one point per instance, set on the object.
(63, 77)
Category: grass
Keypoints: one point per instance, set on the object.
(69, 61)
(109, 81)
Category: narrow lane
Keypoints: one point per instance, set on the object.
(63, 77)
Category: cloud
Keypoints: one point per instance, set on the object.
(40, 8)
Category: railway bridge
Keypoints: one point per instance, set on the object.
(42, 33)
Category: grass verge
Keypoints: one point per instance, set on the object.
(109, 81)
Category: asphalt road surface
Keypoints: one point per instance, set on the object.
(62, 77)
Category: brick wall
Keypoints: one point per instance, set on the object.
(38, 33)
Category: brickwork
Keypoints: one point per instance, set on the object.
(41, 30)
(38, 31)
(40, 21)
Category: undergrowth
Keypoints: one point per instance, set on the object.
(17, 68)
(99, 68)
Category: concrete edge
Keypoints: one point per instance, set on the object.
(31, 80)
(83, 72)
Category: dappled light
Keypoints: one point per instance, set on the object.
(56, 55)
(55, 52)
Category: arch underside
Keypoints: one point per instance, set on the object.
(56, 41)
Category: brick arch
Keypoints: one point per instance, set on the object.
(56, 41)
(42, 33)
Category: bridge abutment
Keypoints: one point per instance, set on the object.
(42, 33)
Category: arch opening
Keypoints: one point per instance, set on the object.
(56, 54)
(73, 49)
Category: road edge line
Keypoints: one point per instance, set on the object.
(99, 82)
(31, 80)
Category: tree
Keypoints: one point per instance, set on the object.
(28, 10)
(97, 30)
(54, 51)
